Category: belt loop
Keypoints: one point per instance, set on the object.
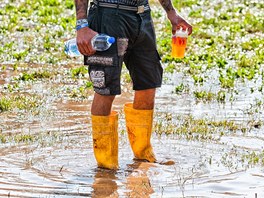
(140, 8)
(117, 8)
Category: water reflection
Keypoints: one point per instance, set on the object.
(104, 183)
(138, 182)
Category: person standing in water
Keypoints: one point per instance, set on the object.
(130, 22)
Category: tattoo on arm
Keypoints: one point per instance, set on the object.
(167, 5)
(81, 8)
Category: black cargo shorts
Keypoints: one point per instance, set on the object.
(135, 46)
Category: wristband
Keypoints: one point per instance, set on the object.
(78, 27)
(81, 21)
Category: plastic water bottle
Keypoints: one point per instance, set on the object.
(71, 48)
(100, 42)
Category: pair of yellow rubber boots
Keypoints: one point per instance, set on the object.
(105, 136)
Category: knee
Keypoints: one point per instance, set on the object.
(144, 99)
(103, 98)
(102, 105)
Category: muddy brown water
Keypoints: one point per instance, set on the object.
(60, 161)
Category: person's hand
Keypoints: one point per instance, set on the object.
(177, 22)
(84, 37)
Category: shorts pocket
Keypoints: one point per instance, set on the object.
(101, 59)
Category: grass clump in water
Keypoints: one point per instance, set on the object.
(195, 129)
(79, 71)
(5, 104)
(35, 75)
(204, 96)
(21, 102)
(3, 139)
(253, 158)
(23, 138)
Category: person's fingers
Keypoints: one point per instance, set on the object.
(82, 49)
(85, 48)
(185, 26)
(91, 50)
(189, 29)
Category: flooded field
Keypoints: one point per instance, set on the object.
(208, 116)
(47, 151)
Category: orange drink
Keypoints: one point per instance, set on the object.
(179, 43)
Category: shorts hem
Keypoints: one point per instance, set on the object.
(108, 94)
(145, 88)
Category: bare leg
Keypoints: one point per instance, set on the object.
(144, 99)
(102, 105)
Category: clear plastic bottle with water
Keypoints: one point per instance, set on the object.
(100, 42)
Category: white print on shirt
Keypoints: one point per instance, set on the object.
(98, 78)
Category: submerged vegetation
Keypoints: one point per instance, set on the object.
(22, 102)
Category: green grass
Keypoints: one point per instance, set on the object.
(227, 38)
(34, 30)
(204, 96)
(253, 158)
(41, 138)
(79, 71)
(229, 34)
(196, 129)
(21, 102)
(5, 104)
(35, 76)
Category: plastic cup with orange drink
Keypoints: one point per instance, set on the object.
(179, 43)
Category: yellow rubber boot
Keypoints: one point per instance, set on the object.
(139, 128)
(105, 140)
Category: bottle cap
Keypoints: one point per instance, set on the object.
(111, 40)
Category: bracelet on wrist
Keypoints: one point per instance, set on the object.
(78, 27)
(81, 21)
